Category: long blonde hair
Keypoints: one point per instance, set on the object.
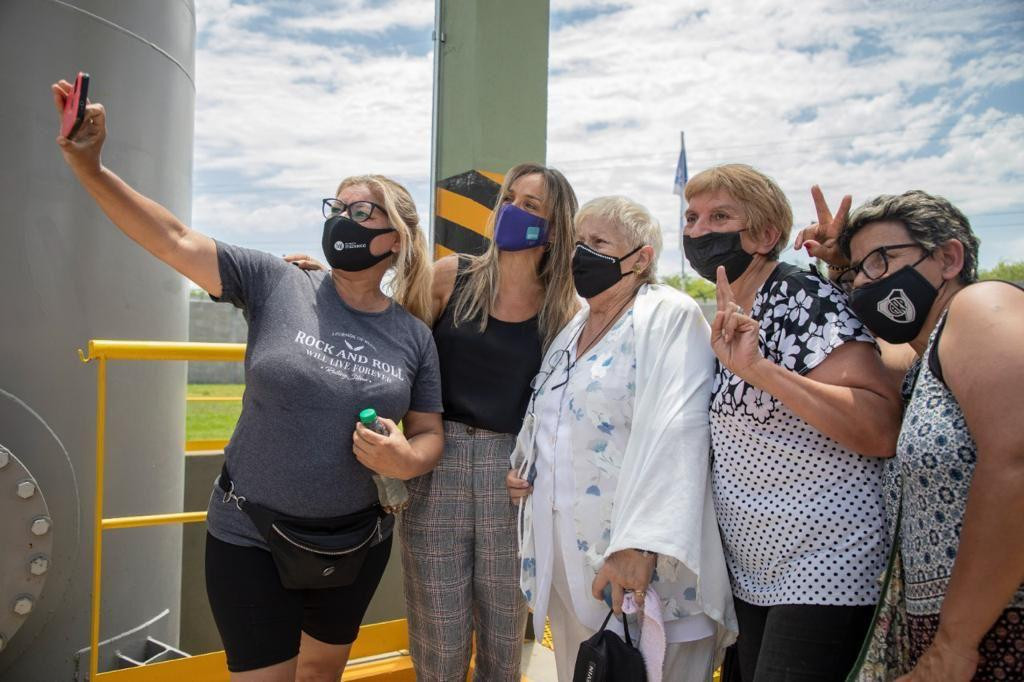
(411, 284)
(476, 298)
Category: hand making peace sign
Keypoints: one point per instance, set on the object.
(821, 238)
(734, 334)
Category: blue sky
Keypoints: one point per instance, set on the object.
(861, 97)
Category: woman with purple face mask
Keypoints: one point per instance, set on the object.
(495, 314)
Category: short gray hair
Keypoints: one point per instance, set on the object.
(930, 220)
(636, 222)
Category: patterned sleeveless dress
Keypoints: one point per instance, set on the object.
(930, 477)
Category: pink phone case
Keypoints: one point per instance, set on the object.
(74, 106)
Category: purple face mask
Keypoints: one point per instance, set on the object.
(516, 229)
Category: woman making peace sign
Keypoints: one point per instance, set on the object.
(797, 492)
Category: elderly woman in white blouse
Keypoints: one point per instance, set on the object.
(615, 445)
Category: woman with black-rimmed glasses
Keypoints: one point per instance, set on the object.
(953, 608)
(297, 541)
(612, 461)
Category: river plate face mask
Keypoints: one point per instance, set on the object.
(894, 308)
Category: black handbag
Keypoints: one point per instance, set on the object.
(606, 658)
(314, 553)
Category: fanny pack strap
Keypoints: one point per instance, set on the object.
(261, 517)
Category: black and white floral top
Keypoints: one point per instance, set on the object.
(801, 516)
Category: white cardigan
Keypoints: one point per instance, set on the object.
(662, 500)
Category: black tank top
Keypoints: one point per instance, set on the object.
(485, 377)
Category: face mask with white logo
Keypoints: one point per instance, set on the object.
(894, 308)
(346, 244)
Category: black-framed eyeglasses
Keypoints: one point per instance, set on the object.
(544, 375)
(359, 211)
(875, 265)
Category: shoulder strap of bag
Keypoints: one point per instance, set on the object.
(261, 517)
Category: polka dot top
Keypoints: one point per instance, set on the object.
(801, 517)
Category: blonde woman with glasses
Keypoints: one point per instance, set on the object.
(321, 347)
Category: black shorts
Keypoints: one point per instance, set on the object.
(261, 622)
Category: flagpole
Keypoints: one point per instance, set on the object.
(682, 175)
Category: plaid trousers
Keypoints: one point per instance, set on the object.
(461, 562)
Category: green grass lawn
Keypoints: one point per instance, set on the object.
(212, 420)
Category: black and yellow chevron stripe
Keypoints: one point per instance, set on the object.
(463, 204)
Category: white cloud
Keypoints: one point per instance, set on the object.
(861, 97)
(864, 98)
(276, 111)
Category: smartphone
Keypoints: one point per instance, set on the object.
(74, 107)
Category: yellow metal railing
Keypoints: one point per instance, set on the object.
(101, 352)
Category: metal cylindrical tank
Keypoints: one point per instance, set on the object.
(67, 275)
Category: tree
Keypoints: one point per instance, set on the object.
(1006, 270)
(697, 287)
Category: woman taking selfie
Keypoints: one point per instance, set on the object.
(296, 491)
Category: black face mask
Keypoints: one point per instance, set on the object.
(894, 308)
(594, 272)
(706, 253)
(346, 244)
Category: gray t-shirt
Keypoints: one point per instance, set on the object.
(312, 363)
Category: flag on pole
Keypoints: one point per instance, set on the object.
(682, 175)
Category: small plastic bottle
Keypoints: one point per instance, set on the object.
(392, 492)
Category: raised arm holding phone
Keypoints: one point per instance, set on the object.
(296, 530)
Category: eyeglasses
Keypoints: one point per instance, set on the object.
(544, 375)
(876, 264)
(359, 211)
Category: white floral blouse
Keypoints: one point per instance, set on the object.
(584, 420)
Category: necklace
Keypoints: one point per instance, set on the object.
(541, 380)
(609, 323)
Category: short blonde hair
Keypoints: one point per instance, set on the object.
(762, 202)
(636, 223)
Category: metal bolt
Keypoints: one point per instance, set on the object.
(26, 489)
(41, 526)
(5, 457)
(39, 565)
(23, 606)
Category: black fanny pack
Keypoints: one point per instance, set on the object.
(314, 553)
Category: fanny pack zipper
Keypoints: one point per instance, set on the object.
(316, 550)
